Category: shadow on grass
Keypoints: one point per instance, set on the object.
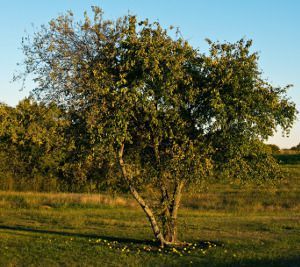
(292, 261)
(70, 234)
(201, 244)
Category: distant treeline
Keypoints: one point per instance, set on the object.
(38, 151)
(42, 148)
(297, 147)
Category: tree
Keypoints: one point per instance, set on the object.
(245, 110)
(274, 148)
(32, 133)
(157, 113)
(297, 147)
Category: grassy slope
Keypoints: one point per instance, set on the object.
(227, 225)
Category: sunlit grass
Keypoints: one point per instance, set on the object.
(61, 200)
(225, 225)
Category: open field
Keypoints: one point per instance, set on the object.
(229, 225)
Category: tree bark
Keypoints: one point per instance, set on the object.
(170, 213)
(165, 200)
(174, 210)
(165, 214)
(169, 223)
(149, 213)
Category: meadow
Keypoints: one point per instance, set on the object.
(226, 225)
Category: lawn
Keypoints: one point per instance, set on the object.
(227, 225)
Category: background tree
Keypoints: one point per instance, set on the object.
(32, 145)
(297, 147)
(274, 148)
(152, 109)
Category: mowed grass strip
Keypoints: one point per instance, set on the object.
(227, 225)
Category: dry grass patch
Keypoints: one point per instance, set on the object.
(58, 200)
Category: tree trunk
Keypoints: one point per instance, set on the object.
(165, 214)
(167, 227)
(174, 210)
(170, 214)
(149, 213)
(169, 221)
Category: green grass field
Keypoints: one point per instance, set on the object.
(228, 225)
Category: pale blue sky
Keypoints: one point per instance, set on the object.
(274, 26)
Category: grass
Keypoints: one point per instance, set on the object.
(228, 225)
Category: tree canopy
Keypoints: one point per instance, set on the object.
(157, 113)
(31, 143)
(297, 147)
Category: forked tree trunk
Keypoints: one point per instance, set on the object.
(149, 213)
(169, 235)
(170, 214)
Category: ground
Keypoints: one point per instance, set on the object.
(226, 225)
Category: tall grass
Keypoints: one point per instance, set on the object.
(282, 196)
(61, 200)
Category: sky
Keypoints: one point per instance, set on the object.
(273, 25)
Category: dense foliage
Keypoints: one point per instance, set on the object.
(297, 147)
(147, 112)
(32, 145)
